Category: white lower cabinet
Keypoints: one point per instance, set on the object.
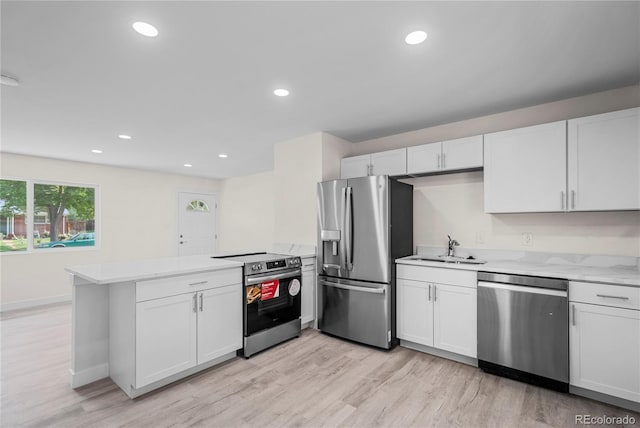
(218, 330)
(605, 343)
(414, 312)
(179, 332)
(165, 337)
(163, 329)
(437, 314)
(308, 297)
(454, 319)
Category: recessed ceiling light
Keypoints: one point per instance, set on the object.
(124, 136)
(96, 151)
(416, 37)
(7, 80)
(145, 29)
(223, 155)
(281, 92)
(188, 165)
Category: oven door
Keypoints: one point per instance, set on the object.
(271, 300)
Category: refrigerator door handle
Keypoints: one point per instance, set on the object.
(354, 288)
(348, 229)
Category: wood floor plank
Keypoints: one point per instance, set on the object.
(313, 381)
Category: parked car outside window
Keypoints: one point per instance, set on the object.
(83, 239)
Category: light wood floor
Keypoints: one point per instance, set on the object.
(313, 381)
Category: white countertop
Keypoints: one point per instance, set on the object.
(135, 270)
(570, 267)
(300, 250)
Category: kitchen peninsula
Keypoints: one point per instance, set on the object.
(150, 322)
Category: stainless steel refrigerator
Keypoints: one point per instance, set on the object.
(364, 224)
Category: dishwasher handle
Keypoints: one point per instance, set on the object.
(523, 289)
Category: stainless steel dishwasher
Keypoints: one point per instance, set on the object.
(523, 328)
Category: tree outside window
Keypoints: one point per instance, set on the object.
(13, 209)
(63, 215)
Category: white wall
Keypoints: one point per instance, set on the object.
(333, 150)
(297, 168)
(246, 217)
(600, 102)
(259, 210)
(453, 204)
(138, 218)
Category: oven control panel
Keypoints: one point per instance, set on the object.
(273, 265)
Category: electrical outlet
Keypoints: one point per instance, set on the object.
(527, 239)
(479, 238)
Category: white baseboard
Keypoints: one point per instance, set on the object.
(33, 303)
(89, 375)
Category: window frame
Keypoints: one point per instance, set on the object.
(30, 224)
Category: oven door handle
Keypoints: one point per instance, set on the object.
(262, 278)
(354, 288)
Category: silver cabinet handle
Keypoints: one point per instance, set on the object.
(573, 199)
(195, 302)
(605, 296)
(562, 198)
(201, 302)
(429, 292)
(193, 284)
(573, 314)
(434, 293)
(438, 160)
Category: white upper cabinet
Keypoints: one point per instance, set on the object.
(525, 169)
(424, 158)
(390, 162)
(603, 159)
(458, 154)
(355, 166)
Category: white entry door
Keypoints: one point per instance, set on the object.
(197, 224)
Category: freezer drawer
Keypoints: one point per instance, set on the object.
(355, 310)
(524, 328)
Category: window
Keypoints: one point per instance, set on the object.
(13, 214)
(62, 215)
(198, 205)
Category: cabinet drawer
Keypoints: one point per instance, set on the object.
(308, 261)
(617, 296)
(463, 278)
(171, 286)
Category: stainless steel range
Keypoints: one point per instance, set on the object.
(272, 288)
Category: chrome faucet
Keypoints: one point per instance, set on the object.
(452, 243)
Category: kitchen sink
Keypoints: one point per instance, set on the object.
(448, 259)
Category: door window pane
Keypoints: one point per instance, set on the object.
(198, 205)
(69, 214)
(13, 209)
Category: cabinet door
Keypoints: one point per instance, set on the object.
(355, 166)
(605, 350)
(219, 322)
(525, 169)
(424, 158)
(165, 337)
(414, 312)
(454, 319)
(308, 302)
(603, 162)
(391, 162)
(462, 153)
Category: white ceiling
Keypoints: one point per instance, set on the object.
(204, 85)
